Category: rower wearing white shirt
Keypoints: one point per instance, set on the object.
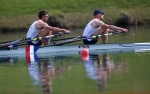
(40, 28)
(97, 27)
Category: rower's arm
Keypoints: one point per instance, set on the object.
(97, 23)
(117, 28)
(112, 27)
(55, 29)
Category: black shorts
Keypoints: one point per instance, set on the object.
(37, 43)
(93, 41)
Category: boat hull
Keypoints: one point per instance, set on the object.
(75, 48)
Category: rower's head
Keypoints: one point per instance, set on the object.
(98, 14)
(43, 15)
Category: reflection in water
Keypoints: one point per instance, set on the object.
(98, 70)
(41, 72)
(10, 60)
(116, 73)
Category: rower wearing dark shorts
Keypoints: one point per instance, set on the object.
(40, 28)
(97, 27)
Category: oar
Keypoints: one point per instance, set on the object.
(79, 38)
(25, 40)
(84, 37)
(63, 39)
(40, 38)
(98, 36)
(10, 42)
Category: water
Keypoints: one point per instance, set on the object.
(106, 73)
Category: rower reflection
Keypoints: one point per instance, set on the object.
(41, 71)
(97, 69)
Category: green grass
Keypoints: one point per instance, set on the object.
(17, 7)
(21, 13)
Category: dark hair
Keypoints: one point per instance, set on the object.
(41, 13)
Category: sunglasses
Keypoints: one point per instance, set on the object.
(46, 16)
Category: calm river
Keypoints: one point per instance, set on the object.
(105, 73)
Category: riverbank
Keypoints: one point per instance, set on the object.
(73, 14)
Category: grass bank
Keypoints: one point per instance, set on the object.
(19, 14)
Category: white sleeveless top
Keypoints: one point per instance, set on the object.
(89, 30)
(33, 32)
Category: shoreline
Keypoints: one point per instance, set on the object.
(114, 16)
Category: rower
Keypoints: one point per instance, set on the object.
(40, 28)
(97, 27)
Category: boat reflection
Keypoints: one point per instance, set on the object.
(44, 70)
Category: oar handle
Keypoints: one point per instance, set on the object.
(98, 36)
(79, 38)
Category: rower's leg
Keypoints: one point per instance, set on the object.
(101, 31)
(44, 33)
(105, 38)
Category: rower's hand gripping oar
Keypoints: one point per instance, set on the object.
(40, 38)
(98, 36)
(79, 38)
(85, 37)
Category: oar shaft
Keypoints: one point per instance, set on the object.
(105, 35)
(79, 38)
(40, 38)
(20, 41)
(63, 39)
(63, 42)
(6, 41)
(87, 37)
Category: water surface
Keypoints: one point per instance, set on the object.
(106, 73)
